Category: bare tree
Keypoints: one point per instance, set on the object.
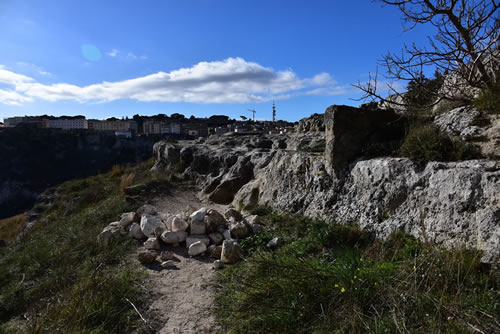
(465, 45)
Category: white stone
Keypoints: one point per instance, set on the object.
(239, 230)
(231, 251)
(218, 264)
(107, 234)
(152, 243)
(197, 248)
(136, 232)
(199, 215)
(179, 224)
(168, 264)
(274, 242)
(170, 237)
(167, 219)
(128, 218)
(150, 223)
(147, 209)
(195, 238)
(167, 255)
(197, 227)
(226, 234)
(216, 238)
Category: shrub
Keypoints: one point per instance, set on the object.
(11, 227)
(426, 142)
(489, 99)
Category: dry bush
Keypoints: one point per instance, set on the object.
(12, 226)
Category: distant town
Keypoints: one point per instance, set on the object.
(173, 126)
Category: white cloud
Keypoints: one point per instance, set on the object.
(233, 80)
(113, 53)
(12, 78)
(32, 67)
(13, 98)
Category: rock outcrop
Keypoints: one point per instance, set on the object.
(454, 204)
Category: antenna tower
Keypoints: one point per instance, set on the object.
(274, 112)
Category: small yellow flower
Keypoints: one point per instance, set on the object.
(359, 269)
(336, 285)
(342, 290)
(414, 268)
(360, 260)
(355, 276)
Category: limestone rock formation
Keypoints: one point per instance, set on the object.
(453, 204)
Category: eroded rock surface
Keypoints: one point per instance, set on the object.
(452, 204)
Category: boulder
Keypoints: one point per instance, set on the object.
(216, 238)
(152, 243)
(179, 224)
(199, 215)
(128, 218)
(146, 209)
(136, 232)
(214, 251)
(233, 213)
(150, 223)
(167, 255)
(167, 219)
(195, 238)
(215, 217)
(355, 132)
(239, 230)
(231, 251)
(197, 227)
(170, 237)
(197, 248)
(146, 257)
(108, 233)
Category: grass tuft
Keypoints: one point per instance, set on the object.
(338, 279)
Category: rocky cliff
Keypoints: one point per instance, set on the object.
(34, 159)
(450, 204)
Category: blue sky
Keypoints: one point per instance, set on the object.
(195, 57)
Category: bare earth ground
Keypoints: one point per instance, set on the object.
(183, 297)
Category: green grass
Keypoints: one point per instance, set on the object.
(59, 280)
(338, 279)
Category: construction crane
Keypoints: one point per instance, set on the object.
(253, 111)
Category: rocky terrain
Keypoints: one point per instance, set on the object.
(180, 252)
(453, 204)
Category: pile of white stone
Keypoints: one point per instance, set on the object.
(203, 232)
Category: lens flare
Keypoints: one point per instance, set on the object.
(91, 52)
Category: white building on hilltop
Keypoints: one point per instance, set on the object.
(78, 123)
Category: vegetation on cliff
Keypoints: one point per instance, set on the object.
(337, 279)
(57, 279)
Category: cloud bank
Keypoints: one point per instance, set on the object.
(233, 80)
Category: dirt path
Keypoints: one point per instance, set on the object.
(183, 297)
